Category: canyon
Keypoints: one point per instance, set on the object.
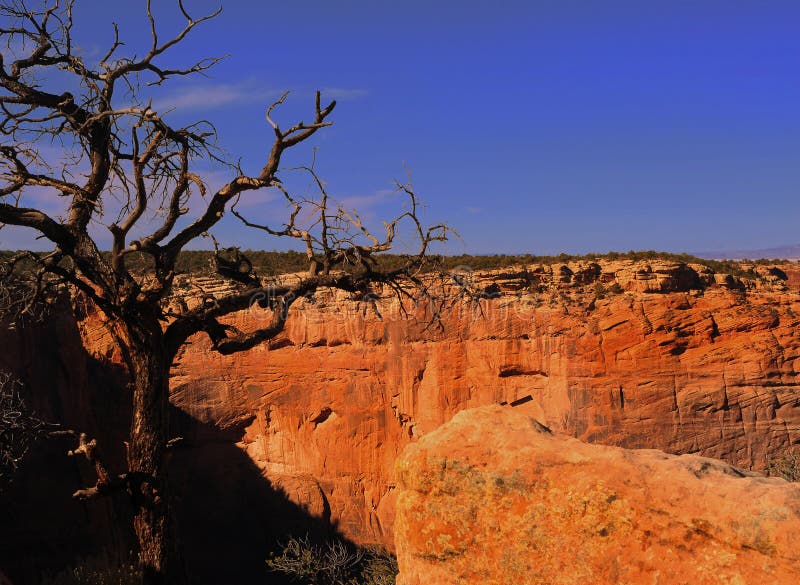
(637, 354)
(680, 359)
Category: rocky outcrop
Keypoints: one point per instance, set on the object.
(494, 497)
(637, 354)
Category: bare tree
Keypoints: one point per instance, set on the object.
(86, 133)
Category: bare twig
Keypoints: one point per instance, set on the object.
(19, 426)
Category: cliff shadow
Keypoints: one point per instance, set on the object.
(229, 517)
(42, 528)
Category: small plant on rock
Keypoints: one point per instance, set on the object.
(615, 289)
(599, 291)
(333, 563)
(786, 466)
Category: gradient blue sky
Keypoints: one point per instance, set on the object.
(539, 126)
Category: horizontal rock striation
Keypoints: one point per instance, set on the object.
(637, 354)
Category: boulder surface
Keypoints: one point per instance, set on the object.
(494, 497)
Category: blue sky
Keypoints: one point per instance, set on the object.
(539, 126)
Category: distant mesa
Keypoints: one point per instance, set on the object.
(791, 252)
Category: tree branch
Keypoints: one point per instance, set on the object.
(38, 220)
(106, 483)
(267, 178)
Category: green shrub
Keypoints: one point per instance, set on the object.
(615, 289)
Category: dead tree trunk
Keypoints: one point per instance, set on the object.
(147, 471)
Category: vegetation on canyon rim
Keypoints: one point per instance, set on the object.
(275, 263)
(86, 133)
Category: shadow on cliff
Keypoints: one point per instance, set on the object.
(229, 517)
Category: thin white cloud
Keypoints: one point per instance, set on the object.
(214, 95)
(343, 93)
(257, 199)
(365, 204)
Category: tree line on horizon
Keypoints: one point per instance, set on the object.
(271, 263)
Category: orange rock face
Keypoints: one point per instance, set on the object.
(493, 497)
(673, 357)
(657, 354)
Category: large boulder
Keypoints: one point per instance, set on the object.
(494, 497)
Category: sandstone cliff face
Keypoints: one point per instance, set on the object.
(682, 359)
(493, 497)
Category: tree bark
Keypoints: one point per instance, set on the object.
(147, 473)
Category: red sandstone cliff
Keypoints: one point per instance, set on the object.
(683, 360)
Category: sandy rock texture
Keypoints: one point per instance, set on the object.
(494, 497)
